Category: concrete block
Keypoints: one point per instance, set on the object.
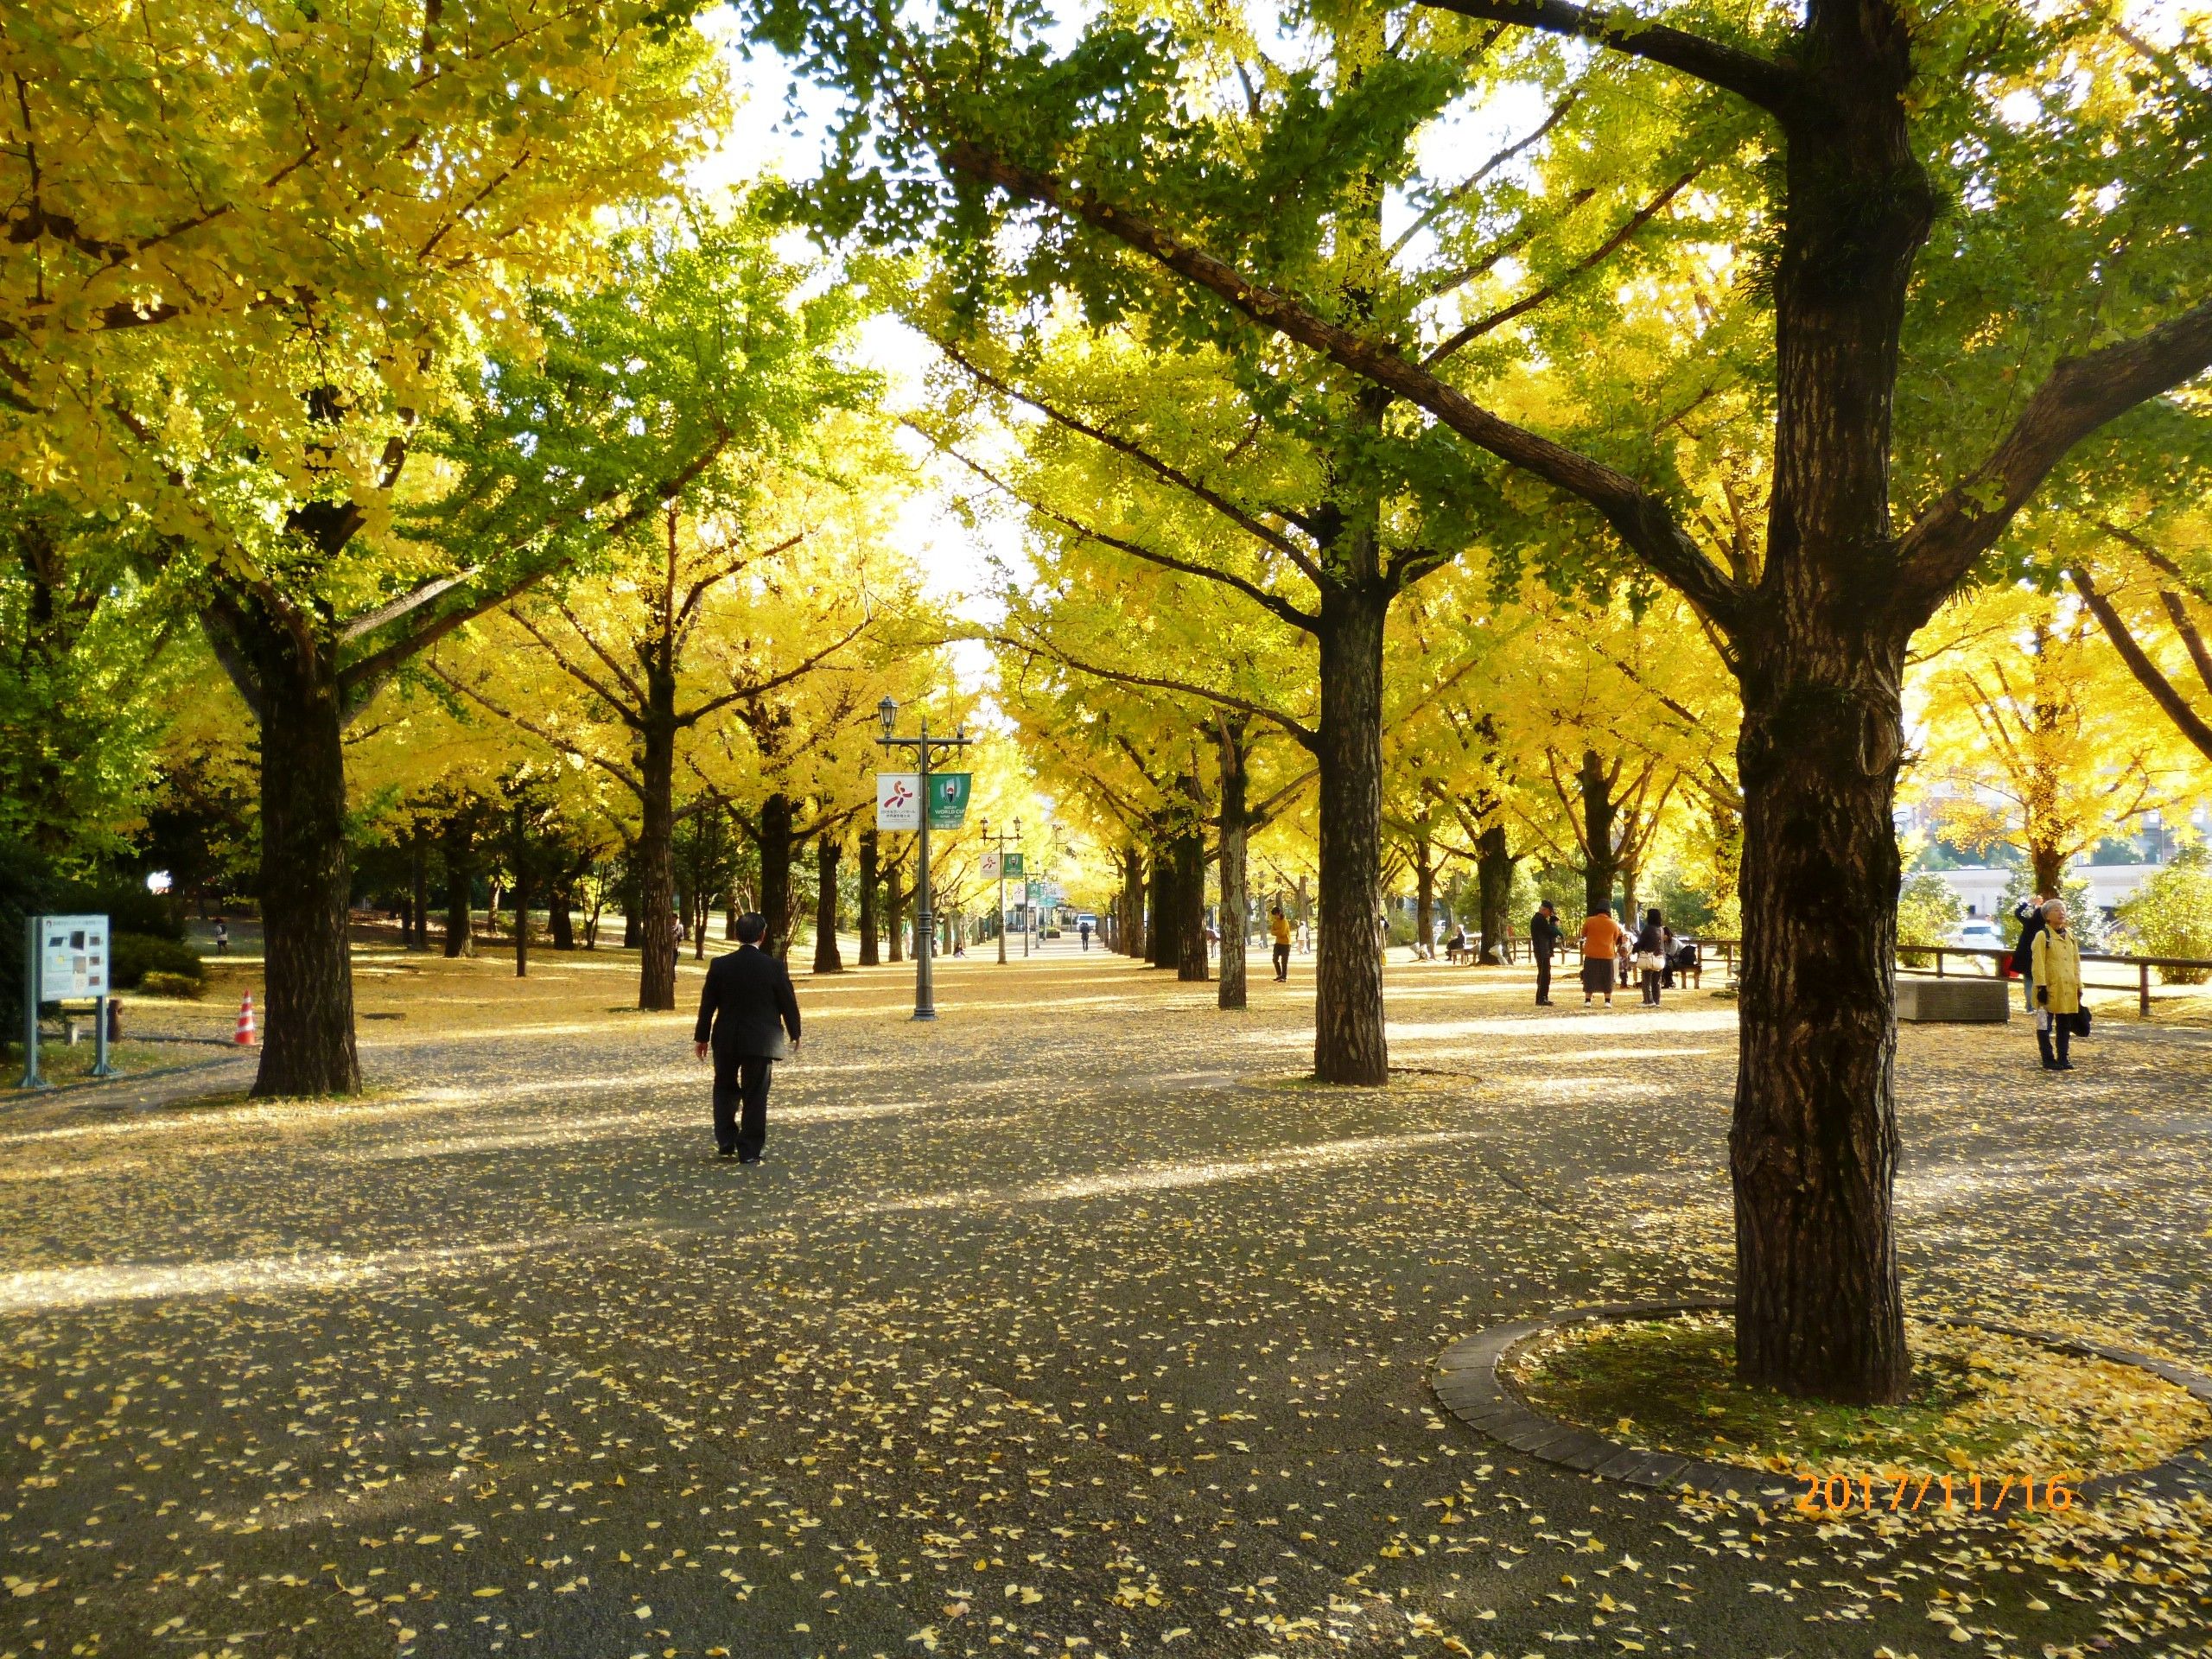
(1954, 1001)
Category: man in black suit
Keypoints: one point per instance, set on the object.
(1543, 939)
(744, 1013)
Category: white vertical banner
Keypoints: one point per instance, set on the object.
(990, 866)
(899, 800)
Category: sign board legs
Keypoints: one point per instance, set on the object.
(31, 1078)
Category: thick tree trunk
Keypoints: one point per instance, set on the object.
(1163, 909)
(1600, 865)
(1236, 895)
(827, 854)
(307, 1040)
(1814, 1147)
(1348, 1040)
(655, 855)
(1133, 933)
(1494, 883)
(460, 879)
(633, 903)
(868, 854)
(418, 852)
(1628, 894)
(776, 872)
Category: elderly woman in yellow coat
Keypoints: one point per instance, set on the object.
(2058, 987)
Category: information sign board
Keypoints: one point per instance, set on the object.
(72, 957)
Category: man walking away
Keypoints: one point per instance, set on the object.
(1083, 930)
(1543, 939)
(747, 1007)
(2058, 963)
(1602, 939)
(1279, 931)
(2030, 915)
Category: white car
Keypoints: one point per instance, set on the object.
(1979, 933)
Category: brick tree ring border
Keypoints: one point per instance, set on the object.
(1468, 1383)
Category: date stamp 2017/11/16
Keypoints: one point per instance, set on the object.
(1903, 1493)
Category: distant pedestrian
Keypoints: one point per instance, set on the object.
(2030, 917)
(1279, 931)
(2057, 966)
(1651, 956)
(1083, 931)
(1601, 944)
(1543, 939)
(222, 937)
(746, 1009)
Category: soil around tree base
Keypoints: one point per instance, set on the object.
(1468, 1380)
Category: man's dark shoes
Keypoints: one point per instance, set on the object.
(754, 1159)
(725, 1152)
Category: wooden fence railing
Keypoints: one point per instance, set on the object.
(2140, 983)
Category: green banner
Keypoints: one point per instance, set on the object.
(949, 799)
(1010, 866)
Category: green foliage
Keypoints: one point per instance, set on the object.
(1688, 907)
(2170, 914)
(1927, 911)
(133, 955)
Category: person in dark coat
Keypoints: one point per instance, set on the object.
(1543, 939)
(745, 1012)
(2030, 915)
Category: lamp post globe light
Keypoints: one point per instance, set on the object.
(926, 750)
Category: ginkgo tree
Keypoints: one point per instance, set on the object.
(1816, 148)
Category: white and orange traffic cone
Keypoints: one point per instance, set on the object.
(245, 1038)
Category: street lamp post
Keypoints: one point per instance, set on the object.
(924, 747)
(999, 841)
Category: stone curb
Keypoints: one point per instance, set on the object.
(1467, 1382)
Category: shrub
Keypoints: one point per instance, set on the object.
(155, 982)
(133, 955)
(1926, 912)
(2170, 915)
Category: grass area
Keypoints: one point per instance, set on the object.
(58, 1062)
(1981, 1402)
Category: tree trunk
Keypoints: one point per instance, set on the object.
(1814, 1147)
(419, 861)
(1424, 896)
(2049, 867)
(776, 872)
(1348, 1040)
(1163, 910)
(1494, 881)
(307, 1040)
(560, 924)
(655, 856)
(1599, 867)
(894, 911)
(460, 880)
(827, 854)
(1628, 894)
(522, 898)
(633, 903)
(868, 877)
(1193, 962)
(1132, 942)
(1235, 896)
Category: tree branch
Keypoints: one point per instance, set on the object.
(1243, 520)
(559, 745)
(2079, 396)
(1272, 603)
(1775, 88)
(1640, 519)
(774, 683)
(2192, 725)
(1305, 734)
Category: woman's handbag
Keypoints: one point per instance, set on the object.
(1650, 962)
(2082, 1021)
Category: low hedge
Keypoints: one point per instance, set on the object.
(155, 982)
(133, 955)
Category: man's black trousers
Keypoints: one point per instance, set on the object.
(741, 1080)
(1543, 975)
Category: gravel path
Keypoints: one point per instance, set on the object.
(1072, 1323)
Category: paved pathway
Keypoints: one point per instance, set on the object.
(1069, 1324)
